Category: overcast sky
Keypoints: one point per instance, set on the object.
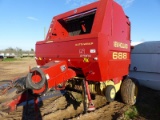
(22, 22)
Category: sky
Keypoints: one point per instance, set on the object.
(23, 22)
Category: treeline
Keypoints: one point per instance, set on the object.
(17, 52)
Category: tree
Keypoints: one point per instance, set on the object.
(32, 50)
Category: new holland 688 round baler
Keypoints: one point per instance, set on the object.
(87, 48)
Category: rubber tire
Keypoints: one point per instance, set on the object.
(84, 96)
(30, 84)
(128, 89)
(108, 90)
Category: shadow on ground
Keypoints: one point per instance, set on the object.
(148, 104)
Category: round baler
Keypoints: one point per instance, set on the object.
(87, 49)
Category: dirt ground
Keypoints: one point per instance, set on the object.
(69, 107)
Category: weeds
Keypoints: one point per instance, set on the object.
(9, 59)
(131, 113)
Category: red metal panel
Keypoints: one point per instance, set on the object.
(109, 40)
(57, 73)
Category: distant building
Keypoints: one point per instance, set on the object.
(10, 55)
(28, 54)
(24, 55)
(13, 54)
(2, 54)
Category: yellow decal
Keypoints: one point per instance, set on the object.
(40, 58)
(84, 44)
(120, 45)
(86, 60)
(119, 55)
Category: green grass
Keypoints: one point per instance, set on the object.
(9, 59)
(131, 113)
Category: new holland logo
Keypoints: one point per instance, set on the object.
(120, 45)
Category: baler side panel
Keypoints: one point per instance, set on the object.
(79, 54)
(56, 30)
(67, 49)
(104, 39)
(120, 44)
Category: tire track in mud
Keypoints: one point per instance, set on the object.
(68, 112)
(103, 110)
(66, 107)
(106, 112)
(28, 112)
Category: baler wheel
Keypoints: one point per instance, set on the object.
(129, 91)
(84, 96)
(30, 84)
(110, 93)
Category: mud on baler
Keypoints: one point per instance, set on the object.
(88, 49)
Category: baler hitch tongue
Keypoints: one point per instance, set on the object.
(5, 85)
(10, 90)
(7, 93)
